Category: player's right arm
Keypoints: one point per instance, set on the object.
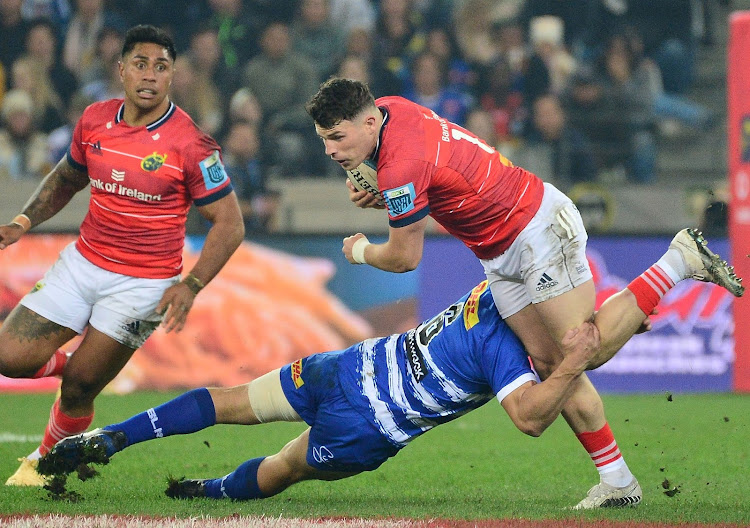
(534, 406)
(53, 193)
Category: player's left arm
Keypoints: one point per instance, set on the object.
(402, 252)
(534, 406)
(226, 233)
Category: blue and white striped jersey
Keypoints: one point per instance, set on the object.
(453, 363)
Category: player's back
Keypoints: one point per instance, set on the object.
(447, 366)
(477, 194)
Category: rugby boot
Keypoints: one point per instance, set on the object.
(26, 474)
(606, 496)
(705, 265)
(96, 446)
(185, 489)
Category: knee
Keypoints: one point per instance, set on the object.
(77, 390)
(545, 365)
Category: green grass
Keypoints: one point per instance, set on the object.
(476, 467)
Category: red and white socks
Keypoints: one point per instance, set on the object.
(60, 425)
(602, 448)
(651, 285)
(55, 365)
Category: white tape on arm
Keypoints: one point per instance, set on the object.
(358, 250)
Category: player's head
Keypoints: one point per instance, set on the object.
(145, 33)
(347, 120)
(146, 69)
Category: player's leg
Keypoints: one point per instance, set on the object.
(29, 345)
(584, 412)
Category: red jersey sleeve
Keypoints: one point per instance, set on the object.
(206, 178)
(76, 155)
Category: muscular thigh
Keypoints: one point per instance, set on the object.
(28, 340)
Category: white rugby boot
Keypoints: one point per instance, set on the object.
(606, 496)
(705, 265)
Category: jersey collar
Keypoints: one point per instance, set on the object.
(374, 156)
(156, 124)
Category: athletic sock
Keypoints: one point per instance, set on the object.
(651, 285)
(602, 448)
(53, 367)
(61, 425)
(242, 483)
(185, 414)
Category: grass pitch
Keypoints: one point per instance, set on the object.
(689, 453)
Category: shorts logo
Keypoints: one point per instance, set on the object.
(132, 327)
(400, 200)
(580, 269)
(38, 286)
(152, 162)
(471, 308)
(322, 454)
(546, 282)
(297, 373)
(213, 170)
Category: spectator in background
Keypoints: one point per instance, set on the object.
(197, 95)
(428, 88)
(399, 36)
(350, 15)
(108, 45)
(109, 87)
(238, 25)
(42, 45)
(609, 107)
(58, 12)
(503, 100)
(315, 37)
(549, 54)
(241, 154)
(29, 75)
(244, 106)
(354, 67)
(571, 154)
(205, 51)
(59, 139)
(79, 49)
(13, 30)
(480, 123)
(282, 80)
(459, 76)
(23, 148)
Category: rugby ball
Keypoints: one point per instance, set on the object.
(365, 177)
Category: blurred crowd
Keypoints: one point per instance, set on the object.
(567, 89)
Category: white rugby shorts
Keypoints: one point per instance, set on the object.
(547, 259)
(74, 292)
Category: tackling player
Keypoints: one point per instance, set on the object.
(363, 404)
(146, 162)
(527, 234)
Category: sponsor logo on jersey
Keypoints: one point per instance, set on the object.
(546, 282)
(153, 162)
(297, 373)
(117, 175)
(213, 170)
(414, 356)
(118, 188)
(96, 148)
(471, 307)
(400, 200)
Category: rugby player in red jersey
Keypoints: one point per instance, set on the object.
(146, 162)
(527, 234)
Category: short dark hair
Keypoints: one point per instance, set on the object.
(338, 100)
(148, 33)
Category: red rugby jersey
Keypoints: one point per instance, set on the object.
(428, 165)
(143, 180)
